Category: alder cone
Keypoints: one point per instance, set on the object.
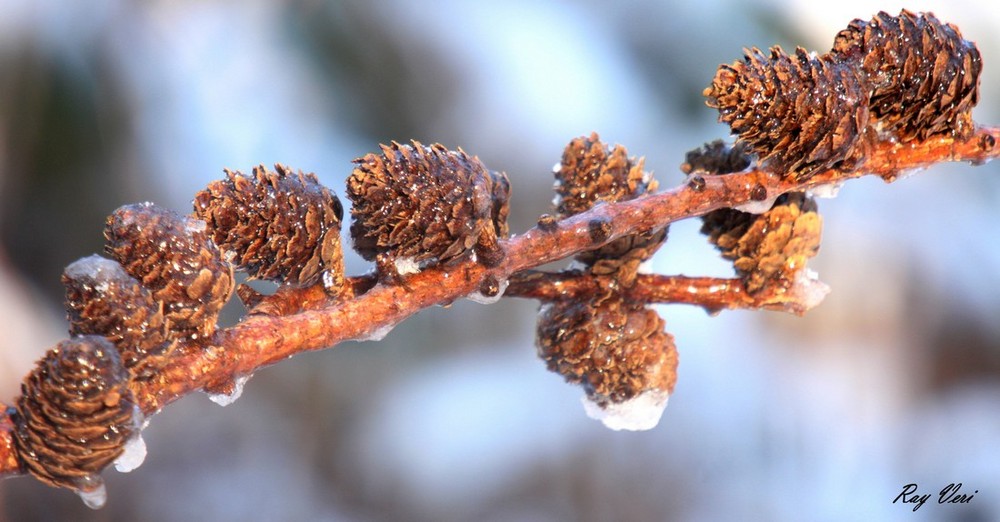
(427, 204)
(590, 173)
(800, 115)
(923, 76)
(75, 413)
(102, 299)
(280, 225)
(717, 157)
(176, 260)
(616, 350)
(767, 248)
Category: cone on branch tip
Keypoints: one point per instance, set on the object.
(590, 172)
(75, 413)
(102, 299)
(922, 76)
(423, 205)
(176, 260)
(278, 225)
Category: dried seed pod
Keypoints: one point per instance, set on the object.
(415, 204)
(176, 260)
(616, 349)
(102, 299)
(279, 225)
(75, 413)
(923, 76)
(771, 247)
(590, 173)
(717, 157)
(799, 114)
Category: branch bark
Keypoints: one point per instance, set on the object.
(300, 320)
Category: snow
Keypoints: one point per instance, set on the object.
(225, 399)
(92, 491)
(640, 413)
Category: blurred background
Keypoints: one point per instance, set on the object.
(892, 380)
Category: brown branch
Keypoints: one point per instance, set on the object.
(261, 340)
(714, 294)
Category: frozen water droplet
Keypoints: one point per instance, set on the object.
(827, 191)
(807, 289)
(757, 207)
(406, 266)
(640, 413)
(133, 456)
(90, 267)
(225, 399)
(91, 490)
(378, 334)
(481, 298)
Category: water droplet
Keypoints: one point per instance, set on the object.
(234, 392)
(490, 291)
(91, 490)
(826, 191)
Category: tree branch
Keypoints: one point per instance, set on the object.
(300, 320)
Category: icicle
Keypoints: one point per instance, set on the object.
(90, 489)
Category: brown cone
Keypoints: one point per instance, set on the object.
(280, 225)
(717, 157)
(800, 115)
(176, 260)
(767, 248)
(616, 350)
(923, 76)
(75, 413)
(102, 299)
(590, 173)
(427, 204)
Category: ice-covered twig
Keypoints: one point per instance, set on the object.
(299, 320)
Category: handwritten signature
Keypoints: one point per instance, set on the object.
(950, 494)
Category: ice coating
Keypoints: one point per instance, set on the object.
(225, 399)
(133, 455)
(92, 267)
(479, 297)
(91, 490)
(640, 413)
(826, 191)
(406, 266)
(808, 289)
(378, 334)
(757, 207)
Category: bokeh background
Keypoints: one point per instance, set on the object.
(892, 380)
